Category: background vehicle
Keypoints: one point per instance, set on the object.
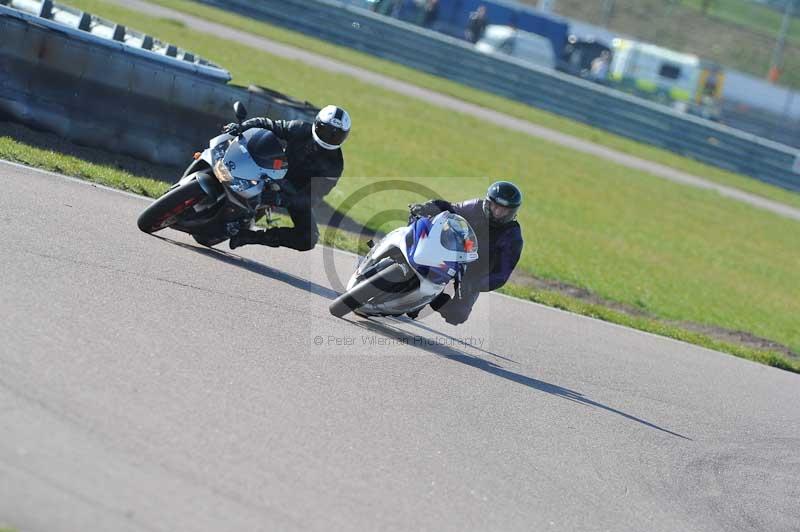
(523, 45)
(453, 16)
(221, 191)
(409, 267)
(682, 80)
(579, 53)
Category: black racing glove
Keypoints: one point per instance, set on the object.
(423, 209)
(237, 129)
(233, 129)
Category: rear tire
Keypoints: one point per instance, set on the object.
(163, 212)
(361, 293)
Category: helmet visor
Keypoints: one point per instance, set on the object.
(499, 214)
(330, 134)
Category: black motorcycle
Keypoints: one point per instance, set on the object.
(221, 192)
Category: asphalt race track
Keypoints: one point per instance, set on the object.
(147, 383)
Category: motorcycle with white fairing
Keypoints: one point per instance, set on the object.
(223, 189)
(409, 267)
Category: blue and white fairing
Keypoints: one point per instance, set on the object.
(437, 250)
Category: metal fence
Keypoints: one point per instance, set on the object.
(341, 23)
(113, 93)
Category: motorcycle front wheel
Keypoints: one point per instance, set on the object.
(166, 210)
(361, 293)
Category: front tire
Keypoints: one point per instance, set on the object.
(361, 293)
(165, 210)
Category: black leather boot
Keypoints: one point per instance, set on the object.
(440, 301)
(413, 315)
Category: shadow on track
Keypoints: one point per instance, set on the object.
(424, 327)
(256, 267)
(459, 356)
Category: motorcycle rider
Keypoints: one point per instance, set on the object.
(315, 162)
(493, 219)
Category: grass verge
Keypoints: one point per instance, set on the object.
(752, 15)
(16, 151)
(651, 325)
(484, 99)
(106, 175)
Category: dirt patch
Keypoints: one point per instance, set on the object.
(718, 333)
(582, 294)
(735, 337)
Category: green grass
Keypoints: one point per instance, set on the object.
(557, 300)
(677, 252)
(13, 150)
(748, 14)
(444, 86)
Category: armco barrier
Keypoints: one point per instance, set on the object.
(111, 94)
(431, 52)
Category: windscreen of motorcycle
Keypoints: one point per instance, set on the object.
(267, 151)
(239, 162)
(457, 235)
(451, 239)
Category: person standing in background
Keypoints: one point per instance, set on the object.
(390, 8)
(428, 13)
(599, 67)
(476, 25)
(397, 7)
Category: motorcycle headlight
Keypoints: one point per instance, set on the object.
(218, 151)
(222, 172)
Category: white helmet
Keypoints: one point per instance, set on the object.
(331, 127)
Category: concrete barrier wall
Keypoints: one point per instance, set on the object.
(104, 93)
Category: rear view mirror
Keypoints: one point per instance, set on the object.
(241, 112)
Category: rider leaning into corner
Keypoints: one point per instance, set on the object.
(493, 219)
(315, 165)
